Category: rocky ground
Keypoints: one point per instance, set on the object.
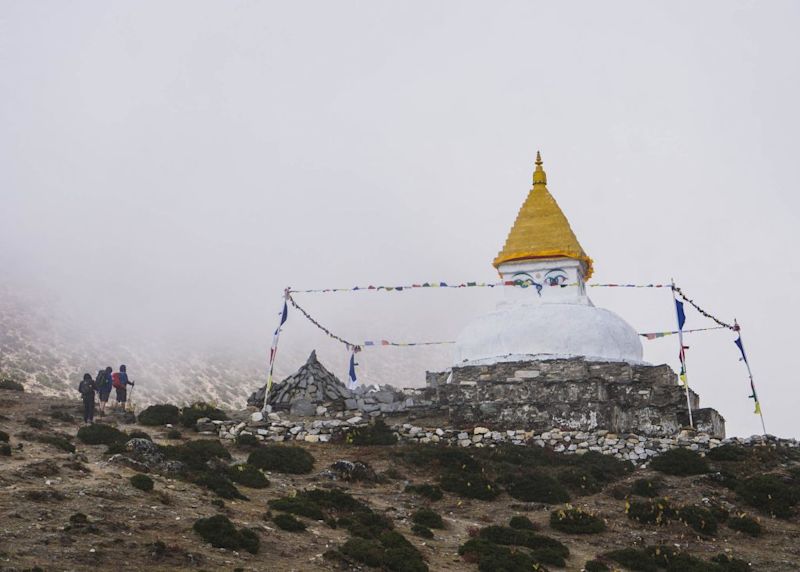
(42, 486)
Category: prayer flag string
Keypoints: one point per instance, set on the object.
(442, 284)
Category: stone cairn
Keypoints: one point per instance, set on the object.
(313, 390)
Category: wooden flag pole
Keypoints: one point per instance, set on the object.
(682, 355)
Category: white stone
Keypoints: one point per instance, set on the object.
(480, 430)
(354, 420)
(312, 438)
(257, 417)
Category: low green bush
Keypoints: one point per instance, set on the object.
(596, 566)
(580, 481)
(543, 548)
(427, 517)
(377, 433)
(282, 459)
(422, 531)
(191, 413)
(142, 482)
(633, 559)
(246, 440)
(35, 422)
(366, 524)
(728, 564)
(649, 488)
(57, 441)
(5, 450)
(248, 476)
(769, 494)
(195, 455)
(494, 558)
(746, 524)
(220, 532)
(537, 487)
(138, 434)
(4, 437)
(288, 523)
(441, 457)
(680, 462)
(728, 452)
(162, 414)
(576, 521)
(218, 483)
(174, 434)
(59, 415)
(100, 434)
(604, 469)
(655, 511)
(391, 551)
(469, 485)
(521, 523)
(11, 385)
(430, 492)
(299, 505)
(700, 519)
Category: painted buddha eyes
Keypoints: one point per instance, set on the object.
(555, 277)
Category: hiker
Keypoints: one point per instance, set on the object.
(86, 389)
(103, 385)
(120, 382)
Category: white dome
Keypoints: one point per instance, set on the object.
(540, 331)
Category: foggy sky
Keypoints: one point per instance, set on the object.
(167, 168)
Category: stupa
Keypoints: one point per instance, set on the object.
(550, 315)
(547, 357)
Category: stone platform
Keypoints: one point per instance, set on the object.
(571, 394)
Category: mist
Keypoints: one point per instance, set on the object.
(167, 169)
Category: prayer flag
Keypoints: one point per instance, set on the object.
(681, 314)
(352, 372)
(738, 342)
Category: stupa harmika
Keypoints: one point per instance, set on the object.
(547, 357)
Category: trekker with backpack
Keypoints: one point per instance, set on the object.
(103, 385)
(87, 388)
(120, 382)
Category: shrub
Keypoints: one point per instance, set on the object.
(142, 482)
(731, 564)
(521, 523)
(430, 492)
(190, 414)
(391, 551)
(196, 454)
(580, 481)
(5, 449)
(58, 442)
(469, 485)
(220, 532)
(137, 434)
(603, 468)
(174, 434)
(59, 415)
(299, 505)
(595, 566)
(163, 414)
(377, 433)
(248, 476)
(422, 531)
(99, 434)
(576, 521)
(745, 524)
(288, 523)
(219, 483)
(508, 536)
(441, 457)
(537, 487)
(655, 511)
(728, 452)
(700, 519)
(282, 458)
(246, 440)
(35, 422)
(366, 524)
(492, 558)
(769, 494)
(427, 517)
(11, 384)
(633, 558)
(649, 488)
(4, 437)
(680, 462)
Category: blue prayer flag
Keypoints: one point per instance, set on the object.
(681, 314)
(352, 372)
(738, 342)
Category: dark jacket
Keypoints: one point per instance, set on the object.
(86, 386)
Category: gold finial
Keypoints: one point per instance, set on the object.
(539, 176)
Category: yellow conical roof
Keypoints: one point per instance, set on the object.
(541, 229)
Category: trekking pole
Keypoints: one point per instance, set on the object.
(130, 399)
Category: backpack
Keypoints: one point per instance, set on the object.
(85, 387)
(116, 381)
(101, 381)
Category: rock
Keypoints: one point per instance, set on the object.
(480, 430)
(321, 410)
(353, 471)
(355, 420)
(302, 408)
(311, 438)
(257, 417)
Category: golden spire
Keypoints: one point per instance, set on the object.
(541, 229)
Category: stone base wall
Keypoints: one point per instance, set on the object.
(571, 394)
